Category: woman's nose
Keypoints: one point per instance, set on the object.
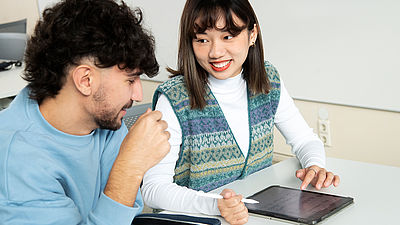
(217, 50)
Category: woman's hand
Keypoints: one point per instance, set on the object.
(317, 176)
(232, 209)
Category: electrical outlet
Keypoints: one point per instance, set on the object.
(324, 132)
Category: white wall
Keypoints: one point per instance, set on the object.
(356, 133)
(342, 52)
(12, 10)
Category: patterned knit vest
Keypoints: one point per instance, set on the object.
(209, 156)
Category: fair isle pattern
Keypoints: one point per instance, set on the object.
(209, 155)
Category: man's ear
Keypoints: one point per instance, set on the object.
(82, 77)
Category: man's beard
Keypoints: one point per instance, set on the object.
(108, 119)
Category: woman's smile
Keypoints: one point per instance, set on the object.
(220, 65)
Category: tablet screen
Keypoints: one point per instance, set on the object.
(296, 205)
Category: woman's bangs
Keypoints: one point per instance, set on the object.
(208, 18)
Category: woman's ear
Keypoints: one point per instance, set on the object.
(82, 77)
(253, 35)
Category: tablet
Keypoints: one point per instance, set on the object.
(295, 205)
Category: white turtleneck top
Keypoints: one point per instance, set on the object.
(158, 188)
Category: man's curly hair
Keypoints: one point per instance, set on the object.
(109, 33)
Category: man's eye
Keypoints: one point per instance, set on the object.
(131, 81)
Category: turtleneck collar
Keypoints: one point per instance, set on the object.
(231, 84)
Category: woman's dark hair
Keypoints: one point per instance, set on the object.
(208, 12)
(109, 33)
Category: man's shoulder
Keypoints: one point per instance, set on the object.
(23, 141)
(20, 152)
(16, 115)
(29, 171)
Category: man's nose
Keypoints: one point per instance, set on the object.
(137, 91)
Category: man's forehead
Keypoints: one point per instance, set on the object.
(133, 72)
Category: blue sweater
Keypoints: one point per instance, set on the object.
(50, 177)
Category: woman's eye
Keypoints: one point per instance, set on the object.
(228, 37)
(131, 81)
(201, 40)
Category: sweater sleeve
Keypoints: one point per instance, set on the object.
(106, 209)
(64, 212)
(306, 145)
(158, 188)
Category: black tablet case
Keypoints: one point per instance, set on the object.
(296, 205)
(172, 219)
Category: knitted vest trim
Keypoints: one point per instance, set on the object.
(210, 156)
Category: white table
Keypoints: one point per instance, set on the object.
(11, 82)
(375, 189)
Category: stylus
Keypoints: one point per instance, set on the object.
(213, 195)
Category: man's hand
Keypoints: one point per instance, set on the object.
(146, 143)
(232, 209)
(317, 176)
(143, 147)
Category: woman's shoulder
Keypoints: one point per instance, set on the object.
(272, 72)
(173, 88)
(172, 82)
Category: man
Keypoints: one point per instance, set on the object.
(65, 155)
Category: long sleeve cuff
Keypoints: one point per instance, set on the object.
(108, 211)
(312, 154)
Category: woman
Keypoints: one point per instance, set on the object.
(221, 106)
